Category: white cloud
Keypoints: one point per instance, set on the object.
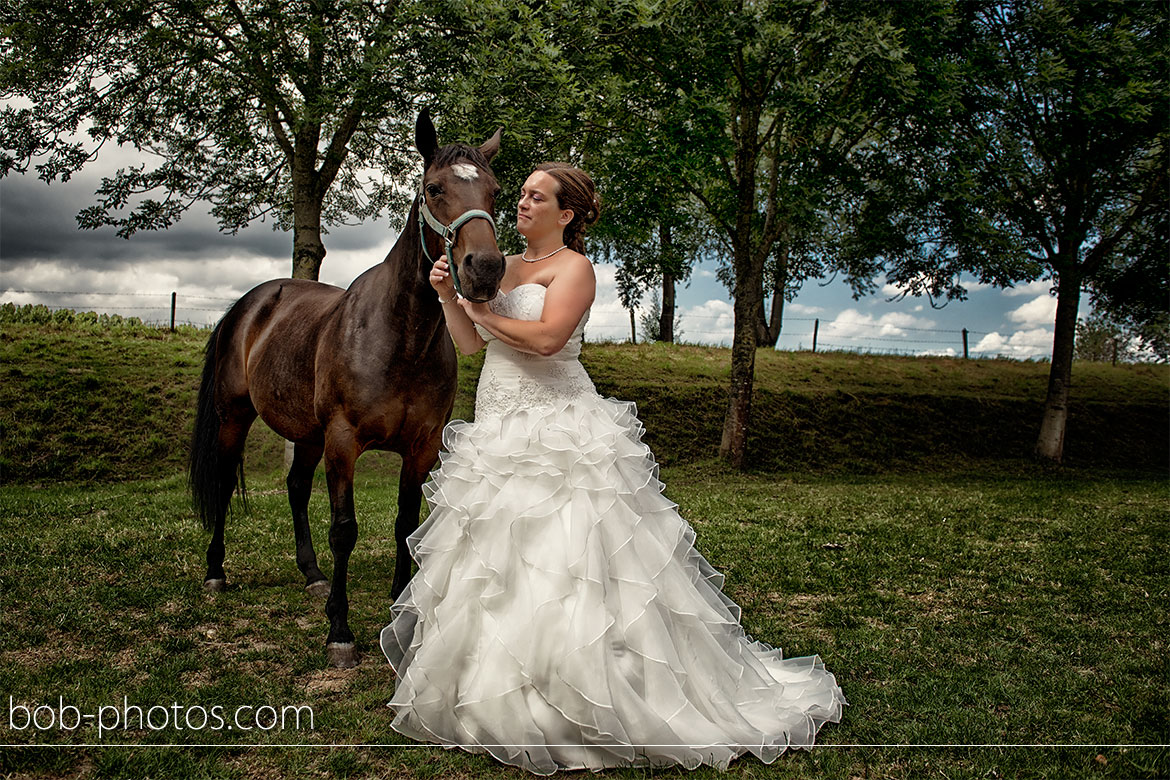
(204, 289)
(800, 308)
(1041, 310)
(1023, 344)
(851, 326)
(890, 291)
(342, 266)
(948, 352)
(1039, 287)
(608, 320)
(712, 322)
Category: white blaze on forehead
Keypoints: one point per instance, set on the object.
(465, 171)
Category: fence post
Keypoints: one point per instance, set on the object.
(174, 297)
(964, 343)
(633, 331)
(816, 327)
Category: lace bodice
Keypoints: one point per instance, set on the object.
(512, 380)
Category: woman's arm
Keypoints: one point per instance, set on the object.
(567, 298)
(462, 329)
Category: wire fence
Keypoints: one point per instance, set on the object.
(814, 334)
(163, 309)
(152, 308)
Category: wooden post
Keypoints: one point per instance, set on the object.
(816, 327)
(965, 355)
(633, 332)
(1114, 352)
(174, 298)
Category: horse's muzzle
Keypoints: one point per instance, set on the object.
(480, 274)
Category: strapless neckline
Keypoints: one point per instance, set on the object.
(525, 284)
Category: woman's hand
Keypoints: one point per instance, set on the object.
(440, 279)
(476, 312)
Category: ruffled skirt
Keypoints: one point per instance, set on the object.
(561, 616)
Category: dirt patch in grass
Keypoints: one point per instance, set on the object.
(58, 647)
(330, 680)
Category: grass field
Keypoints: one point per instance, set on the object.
(953, 610)
(82, 404)
(965, 598)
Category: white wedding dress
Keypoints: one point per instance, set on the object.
(561, 616)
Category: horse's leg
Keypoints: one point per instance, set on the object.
(340, 455)
(232, 434)
(300, 487)
(410, 481)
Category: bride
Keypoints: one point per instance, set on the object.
(561, 617)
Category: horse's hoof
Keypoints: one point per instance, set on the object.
(319, 589)
(214, 586)
(342, 655)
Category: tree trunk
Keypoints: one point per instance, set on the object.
(768, 329)
(666, 255)
(308, 249)
(666, 318)
(1050, 444)
(308, 198)
(747, 308)
(763, 334)
(749, 286)
(776, 319)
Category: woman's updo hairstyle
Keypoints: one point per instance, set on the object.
(577, 194)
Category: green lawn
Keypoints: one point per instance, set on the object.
(80, 403)
(1022, 609)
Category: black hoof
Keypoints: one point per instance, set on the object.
(342, 655)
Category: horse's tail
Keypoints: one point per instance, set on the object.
(211, 476)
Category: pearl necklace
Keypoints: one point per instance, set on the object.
(524, 256)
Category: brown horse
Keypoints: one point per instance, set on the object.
(338, 372)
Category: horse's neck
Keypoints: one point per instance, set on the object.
(397, 292)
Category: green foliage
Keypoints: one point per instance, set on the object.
(87, 321)
(260, 109)
(1039, 150)
(1101, 338)
(650, 321)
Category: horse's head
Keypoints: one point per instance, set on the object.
(458, 202)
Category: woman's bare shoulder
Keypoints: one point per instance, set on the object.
(576, 265)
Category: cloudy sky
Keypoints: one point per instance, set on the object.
(43, 256)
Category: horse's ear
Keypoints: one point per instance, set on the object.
(425, 139)
(492, 145)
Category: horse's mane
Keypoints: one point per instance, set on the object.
(453, 153)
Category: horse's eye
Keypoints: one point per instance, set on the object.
(434, 190)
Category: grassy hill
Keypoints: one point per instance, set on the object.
(86, 402)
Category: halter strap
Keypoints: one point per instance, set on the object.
(448, 233)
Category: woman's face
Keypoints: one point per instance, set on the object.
(538, 213)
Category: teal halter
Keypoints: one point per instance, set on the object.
(449, 233)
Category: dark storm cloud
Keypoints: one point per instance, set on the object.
(38, 223)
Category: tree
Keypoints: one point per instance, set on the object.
(1043, 156)
(298, 110)
(583, 103)
(758, 106)
(651, 322)
(1101, 340)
